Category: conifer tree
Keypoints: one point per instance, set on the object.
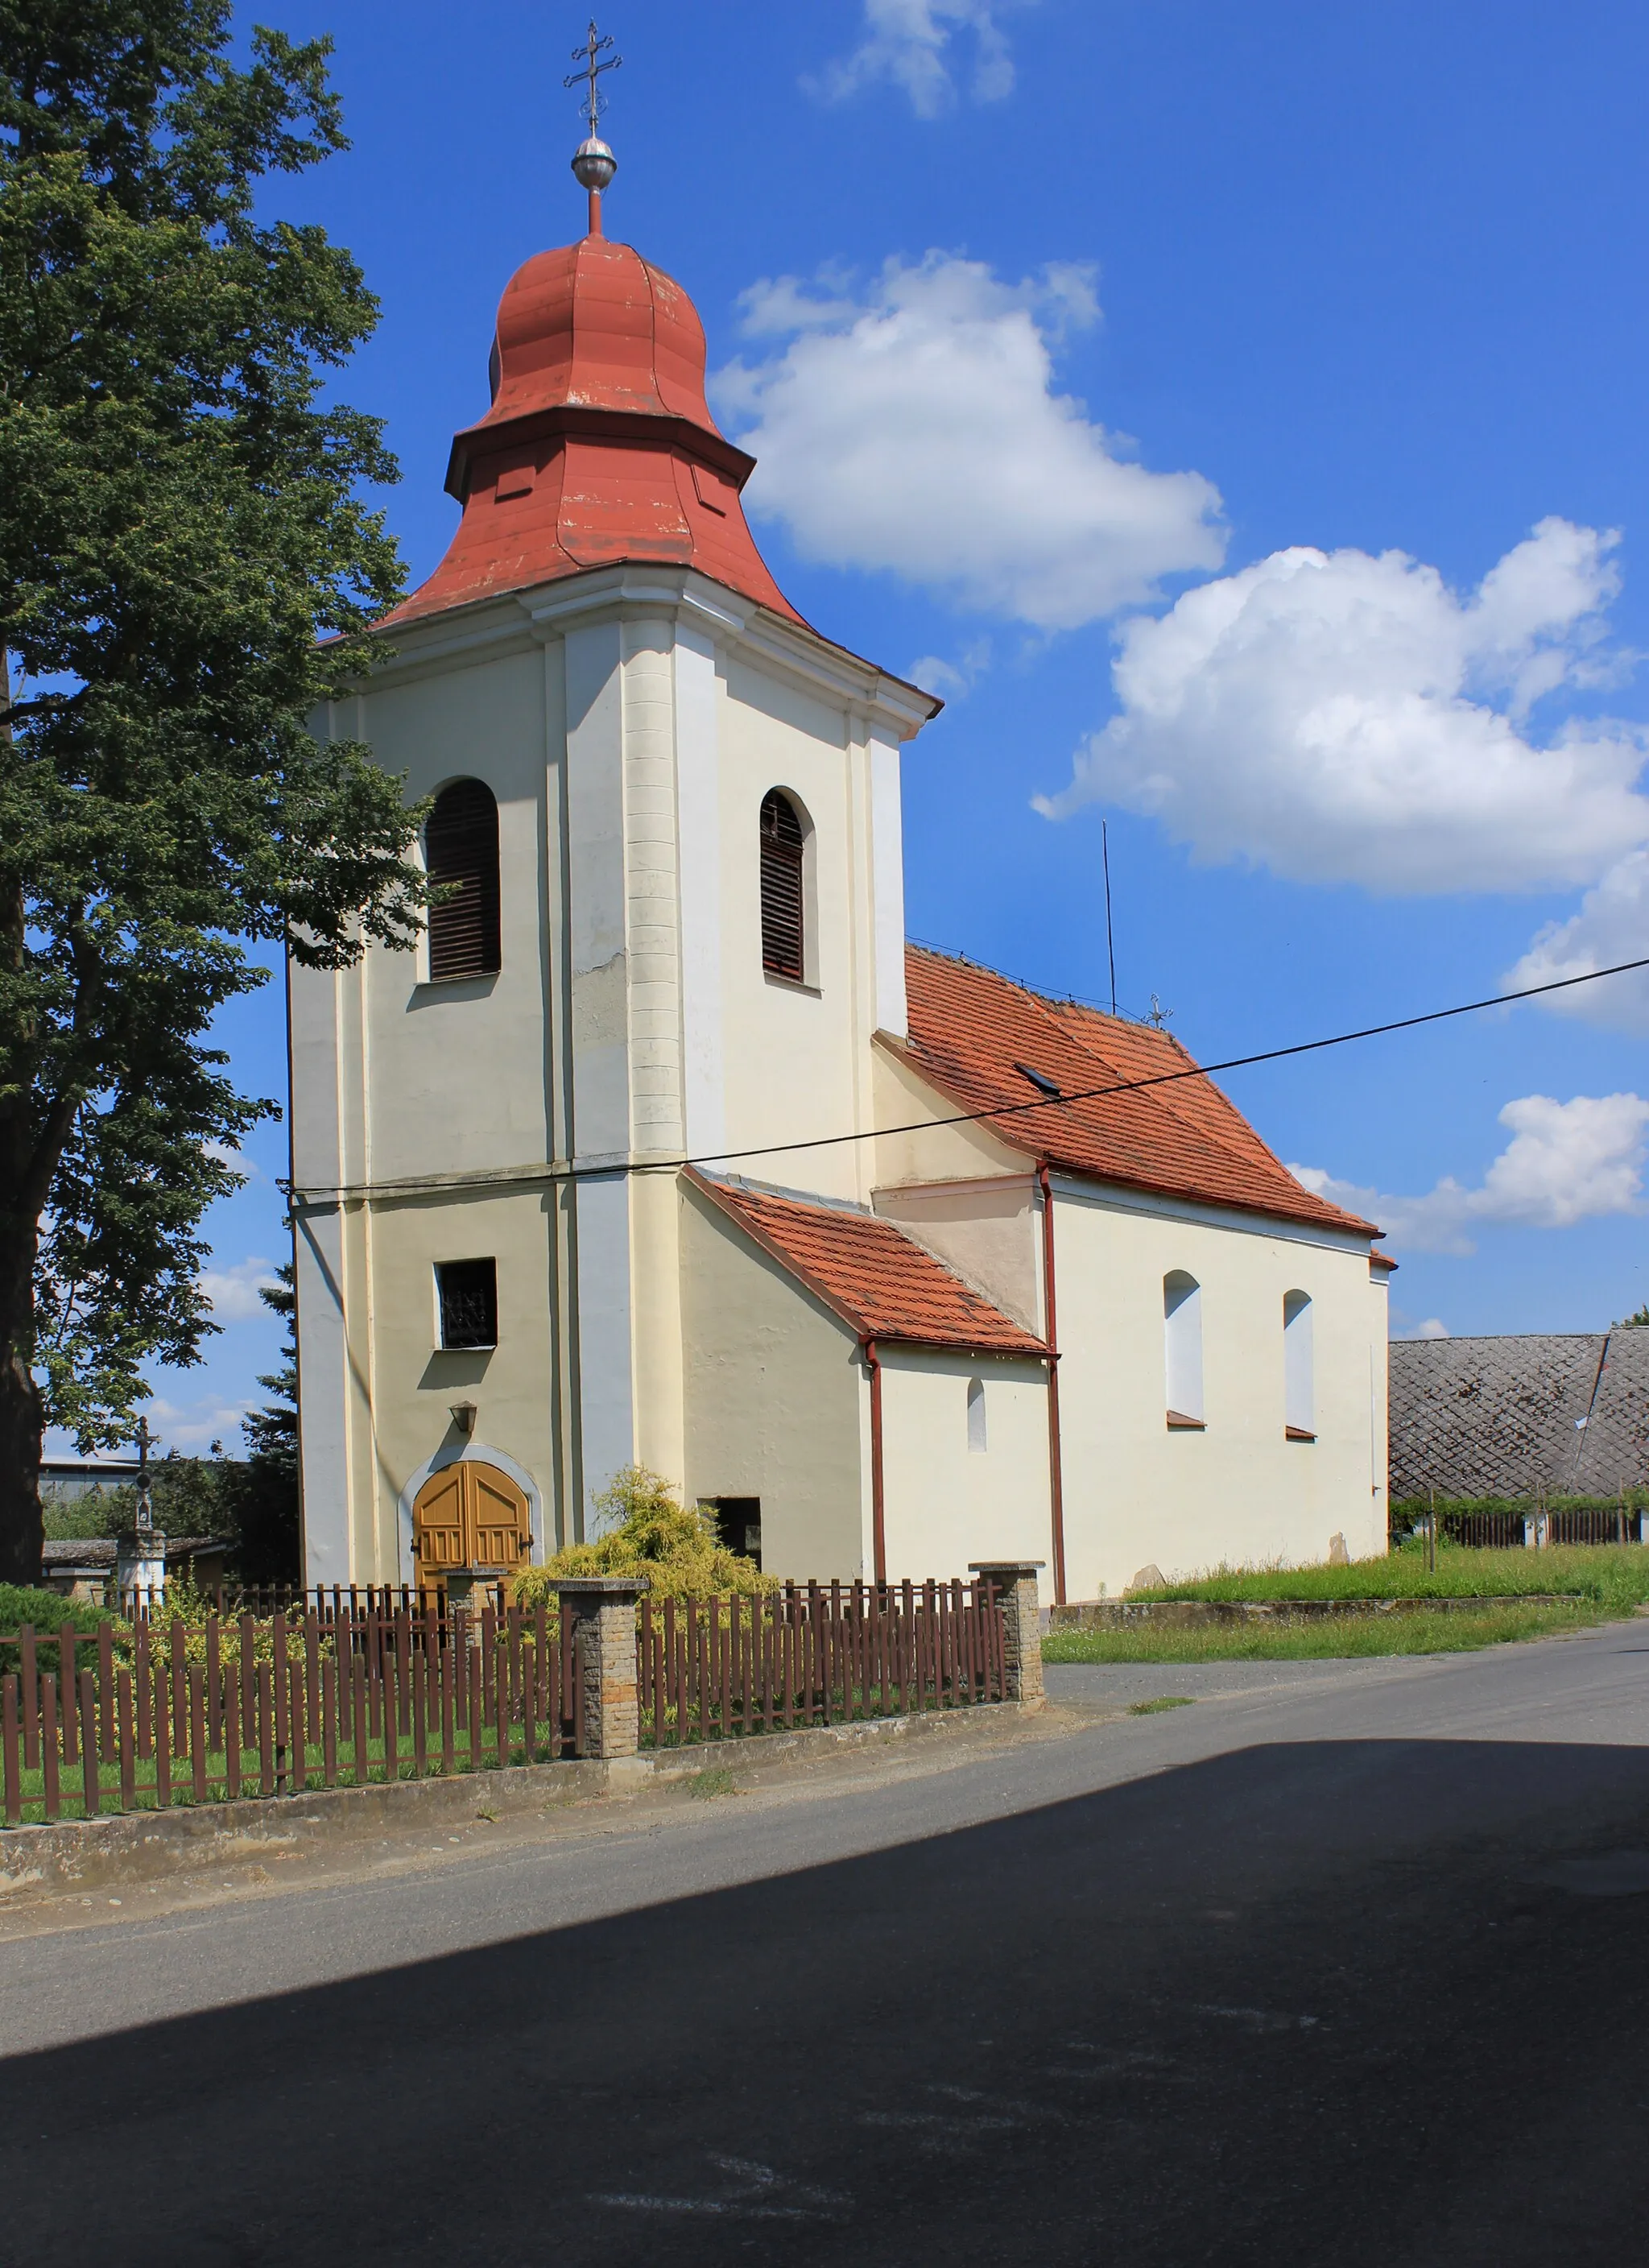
(186, 570)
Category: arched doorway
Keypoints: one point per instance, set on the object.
(469, 1515)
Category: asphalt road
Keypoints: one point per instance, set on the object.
(1348, 1963)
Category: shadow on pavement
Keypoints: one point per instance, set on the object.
(1347, 2002)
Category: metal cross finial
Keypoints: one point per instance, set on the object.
(595, 102)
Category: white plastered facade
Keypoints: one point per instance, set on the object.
(629, 722)
(629, 725)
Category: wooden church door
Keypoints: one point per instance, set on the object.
(469, 1515)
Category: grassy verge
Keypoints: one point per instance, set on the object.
(1615, 1577)
(1324, 1640)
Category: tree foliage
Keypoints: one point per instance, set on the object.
(653, 1534)
(250, 1503)
(187, 571)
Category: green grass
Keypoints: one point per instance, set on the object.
(715, 1780)
(1163, 1701)
(32, 1788)
(1613, 1576)
(1328, 1640)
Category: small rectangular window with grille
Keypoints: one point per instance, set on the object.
(468, 1292)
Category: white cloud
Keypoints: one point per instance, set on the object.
(1431, 1328)
(191, 1427)
(951, 680)
(1611, 926)
(1566, 1162)
(234, 1292)
(1341, 717)
(908, 42)
(915, 426)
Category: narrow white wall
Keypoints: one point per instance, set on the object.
(775, 1398)
(698, 828)
(945, 1502)
(323, 1391)
(1239, 1491)
(984, 1230)
(887, 885)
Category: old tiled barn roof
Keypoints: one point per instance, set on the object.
(871, 1274)
(1499, 1416)
(975, 1035)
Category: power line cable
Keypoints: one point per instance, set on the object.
(998, 1111)
(1161, 1078)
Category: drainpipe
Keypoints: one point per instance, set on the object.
(878, 1525)
(1050, 1321)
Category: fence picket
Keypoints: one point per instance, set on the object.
(66, 1679)
(13, 1752)
(89, 1743)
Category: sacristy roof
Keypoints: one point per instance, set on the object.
(876, 1278)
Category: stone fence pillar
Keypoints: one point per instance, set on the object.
(1016, 1582)
(598, 1621)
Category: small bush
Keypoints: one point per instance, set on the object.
(674, 1546)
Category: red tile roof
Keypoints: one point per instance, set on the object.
(599, 445)
(970, 1030)
(874, 1277)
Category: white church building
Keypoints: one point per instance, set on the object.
(666, 1147)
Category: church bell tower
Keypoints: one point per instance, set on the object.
(664, 814)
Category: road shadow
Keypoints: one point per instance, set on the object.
(1347, 2002)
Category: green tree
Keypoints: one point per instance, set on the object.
(261, 1492)
(1637, 1321)
(186, 571)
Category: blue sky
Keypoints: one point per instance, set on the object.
(1236, 412)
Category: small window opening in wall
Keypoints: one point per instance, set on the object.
(1182, 1350)
(460, 846)
(977, 1416)
(467, 1293)
(783, 944)
(738, 1523)
(1300, 1415)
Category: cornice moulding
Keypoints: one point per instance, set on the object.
(492, 625)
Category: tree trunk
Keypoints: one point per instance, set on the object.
(22, 1406)
(22, 1420)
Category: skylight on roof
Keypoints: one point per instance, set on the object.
(1038, 1080)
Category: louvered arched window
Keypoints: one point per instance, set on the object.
(783, 943)
(462, 853)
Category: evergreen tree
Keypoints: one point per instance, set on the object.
(187, 570)
(263, 1493)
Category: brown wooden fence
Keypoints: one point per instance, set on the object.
(815, 1654)
(366, 1687)
(136, 1716)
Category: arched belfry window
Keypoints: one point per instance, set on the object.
(784, 946)
(462, 853)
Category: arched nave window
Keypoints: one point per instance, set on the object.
(1299, 1414)
(460, 849)
(784, 946)
(977, 1416)
(1182, 1347)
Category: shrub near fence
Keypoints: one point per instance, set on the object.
(139, 1716)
